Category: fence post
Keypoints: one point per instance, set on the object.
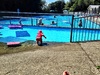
(36, 22)
(71, 28)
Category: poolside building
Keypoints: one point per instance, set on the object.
(94, 9)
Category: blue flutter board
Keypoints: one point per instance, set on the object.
(22, 34)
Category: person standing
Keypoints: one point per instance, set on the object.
(80, 23)
(40, 21)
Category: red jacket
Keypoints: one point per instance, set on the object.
(39, 35)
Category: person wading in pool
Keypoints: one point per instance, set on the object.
(80, 23)
(40, 22)
(20, 22)
(39, 38)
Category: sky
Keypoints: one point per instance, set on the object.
(49, 1)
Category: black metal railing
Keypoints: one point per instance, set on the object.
(89, 30)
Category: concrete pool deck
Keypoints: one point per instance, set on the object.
(76, 58)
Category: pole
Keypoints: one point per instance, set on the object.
(71, 39)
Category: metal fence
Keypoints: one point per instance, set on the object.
(85, 28)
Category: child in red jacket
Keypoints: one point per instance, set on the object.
(39, 38)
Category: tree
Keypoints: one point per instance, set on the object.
(80, 5)
(67, 6)
(57, 6)
(23, 5)
(74, 7)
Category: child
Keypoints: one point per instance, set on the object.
(39, 38)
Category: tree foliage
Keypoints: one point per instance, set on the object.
(23, 5)
(80, 5)
(57, 6)
(40, 5)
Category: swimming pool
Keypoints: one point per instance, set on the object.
(54, 33)
(61, 21)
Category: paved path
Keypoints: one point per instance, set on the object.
(76, 58)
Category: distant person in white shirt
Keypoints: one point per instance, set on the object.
(40, 21)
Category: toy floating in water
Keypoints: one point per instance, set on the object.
(15, 26)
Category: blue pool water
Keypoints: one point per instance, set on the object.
(54, 34)
(62, 21)
(86, 24)
(85, 35)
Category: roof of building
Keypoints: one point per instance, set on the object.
(94, 6)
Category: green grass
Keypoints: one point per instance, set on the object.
(98, 67)
(25, 46)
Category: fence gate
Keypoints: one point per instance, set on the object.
(85, 28)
